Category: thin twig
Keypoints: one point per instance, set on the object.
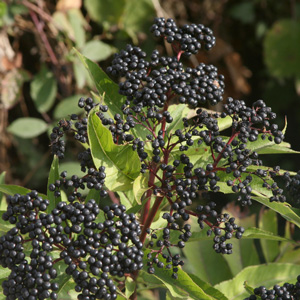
(40, 29)
(37, 10)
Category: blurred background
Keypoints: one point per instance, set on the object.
(41, 79)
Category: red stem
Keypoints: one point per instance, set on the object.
(220, 154)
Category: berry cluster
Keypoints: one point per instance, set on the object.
(184, 160)
(292, 184)
(207, 215)
(89, 248)
(188, 38)
(92, 180)
(286, 291)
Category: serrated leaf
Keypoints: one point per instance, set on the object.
(53, 176)
(287, 212)
(184, 284)
(121, 162)
(27, 128)
(269, 147)
(67, 106)
(266, 275)
(208, 289)
(104, 85)
(97, 50)
(277, 149)
(43, 90)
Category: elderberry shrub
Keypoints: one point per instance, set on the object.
(184, 161)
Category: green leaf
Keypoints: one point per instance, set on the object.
(137, 17)
(80, 72)
(104, 85)
(268, 221)
(177, 111)
(290, 256)
(281, 48)
(121, 162)
(72, 168)
(77, 23)
(204, 264)
(140, 186)
(277, 149)
(224, 123)
(4, 226)
(67, 106)
(43, 90)
(11, 189)
(68, 291)
(125, 200)
(287, 212)
(269, 147)
(248, 288)
(27, 128)
(4, 272)
(266, 275)
(97, 50)
(108, 12)
(184, 285)
(208, 289)
(53, 176)
(130, 286)
(258, 233)
(62, 279)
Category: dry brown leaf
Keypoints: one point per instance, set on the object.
(63, 5)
